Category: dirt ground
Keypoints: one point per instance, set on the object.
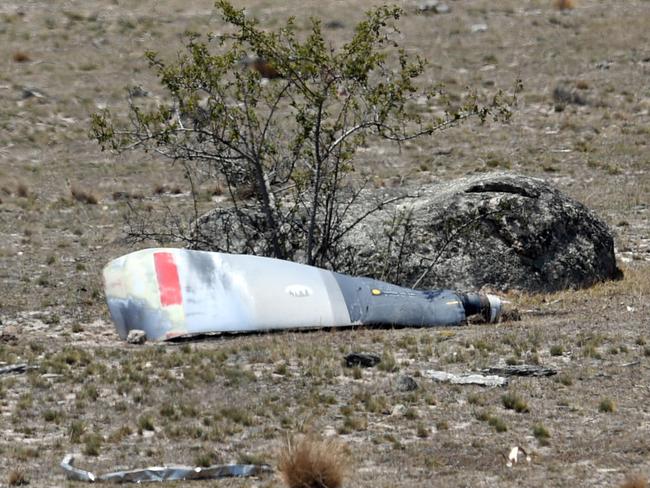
(238, 399)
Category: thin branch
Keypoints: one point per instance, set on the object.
(448, 241)
(363, 216)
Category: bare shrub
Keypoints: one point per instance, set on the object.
(276, 118)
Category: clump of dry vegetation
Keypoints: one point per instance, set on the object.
(607, 405)
(21, 57)
(17, 477)
(22, 190)
(83, 196)
(564, 4)
(635, 481)
(310, 462)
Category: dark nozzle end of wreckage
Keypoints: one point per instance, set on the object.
(483, 304)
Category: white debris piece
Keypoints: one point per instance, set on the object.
(466, 379)
(513, 457)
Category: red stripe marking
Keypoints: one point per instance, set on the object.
(168, 282)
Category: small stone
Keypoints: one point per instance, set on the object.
(136, 336)
(442, 8)
(479, 28)
(434, 6)
(363, 359)
(406, 383)
(137, 91)
(9, 334)
(335, 24)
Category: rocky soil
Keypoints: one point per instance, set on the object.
(582, 123)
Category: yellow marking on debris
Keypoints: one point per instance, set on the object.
(375, 291)
(453, 302)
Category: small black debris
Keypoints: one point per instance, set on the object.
(334, 24)
(363, 359)
(521, 370)
(15, 368)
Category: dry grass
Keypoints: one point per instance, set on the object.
(21, 57)
(635, 481)
(83, 196)
(564, 4)
(313, 463)
(16, 478)
(22, 190)
(54, 316)
(635, 283)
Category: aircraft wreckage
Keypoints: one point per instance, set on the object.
(169, 293)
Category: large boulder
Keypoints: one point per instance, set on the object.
(496, 230)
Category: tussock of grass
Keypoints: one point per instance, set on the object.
(83, 196)
(21, 57)
(22, 190)
(496, 422)
(564, 4)
(16, 477)
(541, 432)
(313, 463)
(635, 481)
(92, 444)
(512, 401)
(635, 282)
(607, 405)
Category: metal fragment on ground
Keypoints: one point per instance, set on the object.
(521, 370)
(170, 293)
(15, 368)
(513, 456)
(75, 474)
(165, 473)
(466, 379)
(363, 359)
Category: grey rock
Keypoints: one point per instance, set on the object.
(433, 6)
(564, 94)
(497, 230)
(136, 336)
(406, 383)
